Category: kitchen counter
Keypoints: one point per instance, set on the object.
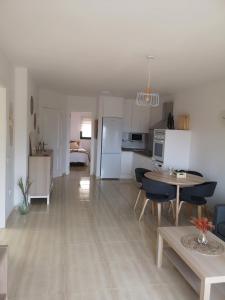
(138, 151)
(132, 159)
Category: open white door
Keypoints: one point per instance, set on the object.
(52, 135)
(3, 139)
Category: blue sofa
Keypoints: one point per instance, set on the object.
(219, 221)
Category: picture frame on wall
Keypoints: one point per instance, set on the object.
(31, 105)
(35, 121)
(96, 129)
(11, 124)
(30, 146)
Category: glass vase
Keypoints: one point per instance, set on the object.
(23, 208)
(202, 238)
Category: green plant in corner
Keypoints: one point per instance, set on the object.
(24, 188)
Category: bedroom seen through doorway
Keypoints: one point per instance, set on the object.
(80, 141)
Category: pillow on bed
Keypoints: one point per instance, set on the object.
(74, 145)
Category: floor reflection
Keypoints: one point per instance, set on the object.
(84, 189)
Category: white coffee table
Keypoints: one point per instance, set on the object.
(201, 271)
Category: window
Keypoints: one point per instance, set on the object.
(85, 130)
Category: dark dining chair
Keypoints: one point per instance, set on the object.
(159, 193)
(219, 221)
(191, 172)
(139, 174)
(196, 195)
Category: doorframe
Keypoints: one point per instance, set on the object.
(3, 144)
(92, 149)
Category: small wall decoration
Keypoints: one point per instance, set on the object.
(183, 122)
(30, 145)
(223, 115)
(96, 129)
(31, 105)
(11, 124)
(35, 121)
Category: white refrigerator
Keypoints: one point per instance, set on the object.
(111, 147)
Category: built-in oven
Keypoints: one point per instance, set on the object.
(159, 145)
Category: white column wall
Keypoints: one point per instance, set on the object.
(3, 133)
(21, 129)
(7, 82)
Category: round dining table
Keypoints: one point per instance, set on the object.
(166, 177)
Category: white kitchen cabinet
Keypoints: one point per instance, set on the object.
(112, 106)
(140, 118)
(126, 164)
(127, 118)
(136, 118)
(132, 160)
(141, 161)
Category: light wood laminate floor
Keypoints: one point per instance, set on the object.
(88, 245)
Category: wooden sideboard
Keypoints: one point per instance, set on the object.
(40, 175)
(3, 271)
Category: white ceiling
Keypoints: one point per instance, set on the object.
(85, 46)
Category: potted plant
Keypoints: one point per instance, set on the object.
(203, 225)
(24, 188)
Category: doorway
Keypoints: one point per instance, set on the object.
(3, 139)
(80, 142)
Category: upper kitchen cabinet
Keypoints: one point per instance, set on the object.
(140, 118)
(111, 106)
(136, 118)
(127, 117)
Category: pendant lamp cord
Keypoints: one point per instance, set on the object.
(149, 75)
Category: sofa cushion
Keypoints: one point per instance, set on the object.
(221, 228)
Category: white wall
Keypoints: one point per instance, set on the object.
(55, 100)
(21, 129)
(206, 105)
(24, 87)
(33, 91)
(18, 86)
(7, 81)
(80, 104)
(67, 104)
(3, 143)
(75, 124)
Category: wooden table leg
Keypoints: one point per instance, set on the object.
(177, 205)
(205, 290)
(159, 250)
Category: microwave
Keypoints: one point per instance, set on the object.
(136, 137)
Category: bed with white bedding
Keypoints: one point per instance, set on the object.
(79, 155)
